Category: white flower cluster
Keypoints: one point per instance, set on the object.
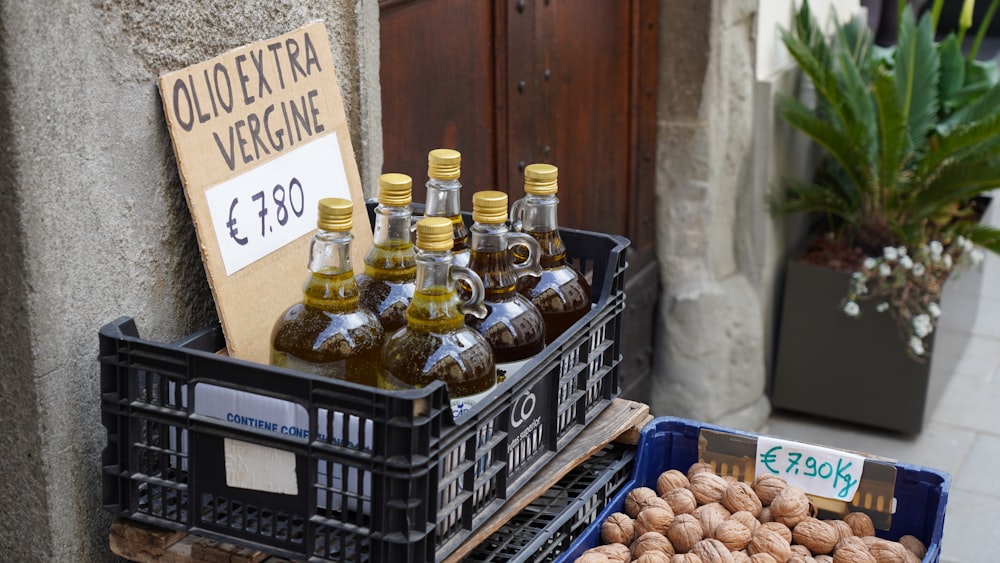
(909, 284)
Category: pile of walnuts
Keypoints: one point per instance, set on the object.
(701, 517)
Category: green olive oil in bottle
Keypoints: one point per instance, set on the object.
(436, 344)
(387, 284)
(328, 333)
(560, 292)
(513, 326)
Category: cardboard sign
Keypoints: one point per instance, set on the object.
(260, 136)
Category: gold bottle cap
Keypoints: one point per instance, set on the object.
(434, 234)
(489, 207)
(395, 189)
(541, 179)
(335, 214)
(444, 164)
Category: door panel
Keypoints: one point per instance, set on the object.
(438, 74)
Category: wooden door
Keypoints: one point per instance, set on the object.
(508, 83)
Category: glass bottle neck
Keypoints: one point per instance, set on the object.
(434, 272)
(486, 237)
(443, 198)
(392, 224)
(331, 285)
(330, 253)
(537, 214)
(540, 213)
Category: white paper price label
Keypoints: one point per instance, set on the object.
(820, 471)
(264, 209)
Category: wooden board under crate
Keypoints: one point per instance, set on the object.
(143, 543)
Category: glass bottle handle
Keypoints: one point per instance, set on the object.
(517, 215)
(474, 304)
(526, 265)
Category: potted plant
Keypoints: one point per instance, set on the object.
(911, 144)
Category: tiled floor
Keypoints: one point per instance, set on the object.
(961, 436)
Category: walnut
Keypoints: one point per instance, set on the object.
(707, 487)
(852, 553)
(652, 541)
(850, 541)
(767, 540)
(861, 523)
(782, 530)
(746, 519)
(618, 528)
(741, 557)
(681, 501)
(823, 558)
(762, 558)
(712, 551)
(886, 551)
(816, 535)
(653, 557)
(842, 528)
(710, 515)
(914, 544)
(654, 519)
(790, 506)
(684, 532)
(669, 480)
(699, 467)
(686, 558)
(740, 496)
(869, 540)
(615, 552)
(800, 558)
(800, 549)
(765, 515)
(767, 486)
(637, 498)
(732, 533)
(591, 557)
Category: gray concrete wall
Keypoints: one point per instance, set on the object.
(96, 225)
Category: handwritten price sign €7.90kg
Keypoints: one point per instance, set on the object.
(824, 472)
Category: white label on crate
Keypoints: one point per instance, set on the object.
(821, 471)
(263, 209)
(292, 419)
(260, 468)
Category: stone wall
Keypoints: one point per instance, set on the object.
(710, 354)
(96, 225)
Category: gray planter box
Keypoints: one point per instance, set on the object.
(857, 370)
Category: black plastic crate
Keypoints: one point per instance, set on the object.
(426, 480)
(544, 528)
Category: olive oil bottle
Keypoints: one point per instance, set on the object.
(436, 344)
(444, 198)
(328, 332)
(560, 293)
(387, 284)
(513, 326)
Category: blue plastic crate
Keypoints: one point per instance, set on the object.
(921, 493)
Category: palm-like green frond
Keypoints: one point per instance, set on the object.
(891, 130)
(980, 139)
(917, 70)
(839, 144)
(806, 197)
(956, 182)
(952, 70)
(984, 236)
